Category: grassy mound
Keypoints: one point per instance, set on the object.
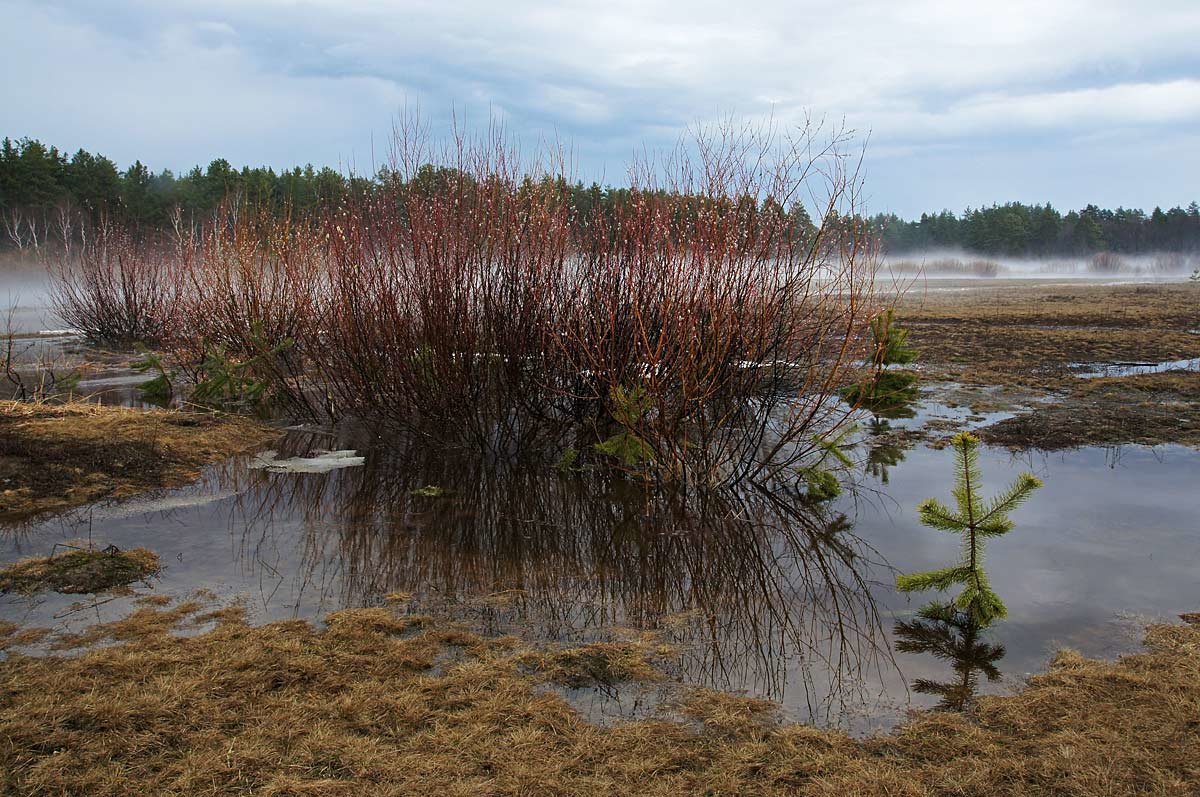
(54, 457)
(79, 571)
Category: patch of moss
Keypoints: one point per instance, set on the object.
(77, 572)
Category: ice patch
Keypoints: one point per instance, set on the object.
(1138, 369)
(320, 462)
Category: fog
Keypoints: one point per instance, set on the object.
(25, 304)
(1154, 267)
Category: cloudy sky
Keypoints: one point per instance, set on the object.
(1067, 101)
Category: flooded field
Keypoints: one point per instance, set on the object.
(762, 595)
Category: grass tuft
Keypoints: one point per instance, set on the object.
(77, 572)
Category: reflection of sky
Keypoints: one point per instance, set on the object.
(1071, 101)
(1106, 538)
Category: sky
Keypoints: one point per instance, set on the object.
(957, 103)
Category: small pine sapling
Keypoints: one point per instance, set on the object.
(821, 483)
(886, 390)
(976, 521)
(891, 342)
(628, 408)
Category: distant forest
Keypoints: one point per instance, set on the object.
(38, 181)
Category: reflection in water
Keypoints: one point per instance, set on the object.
(954, 636)
(882, 454)
(758, 595)
(757, 591)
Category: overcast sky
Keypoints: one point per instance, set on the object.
(1067, 101)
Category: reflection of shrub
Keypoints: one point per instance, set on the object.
(1107, 263)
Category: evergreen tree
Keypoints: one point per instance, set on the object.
(976, 521)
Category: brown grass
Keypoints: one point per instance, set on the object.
(371, 706)
(1024, 338)
(54, 457)
(1148, 409)
(1027, 335)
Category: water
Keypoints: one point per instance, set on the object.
(763, 594)
(1136, 369)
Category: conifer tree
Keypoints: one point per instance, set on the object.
(888, 391)
(976, 520)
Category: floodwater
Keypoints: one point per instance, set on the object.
(763, 594)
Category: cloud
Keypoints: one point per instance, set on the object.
(280, 81)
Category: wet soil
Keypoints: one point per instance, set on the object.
(1025, 346)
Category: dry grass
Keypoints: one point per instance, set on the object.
(603, 663)
(1148, 409)
(54, 457)
(370, 706)
(79, 571)
(1027, 335)
(1025, 338)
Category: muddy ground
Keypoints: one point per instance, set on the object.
(1019, 346)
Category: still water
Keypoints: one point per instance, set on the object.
(763, 594)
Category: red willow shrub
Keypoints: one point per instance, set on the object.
(251, 289)
(442, 290)
(117, 288)
(705, 325)
(698, 331)
(713, 306)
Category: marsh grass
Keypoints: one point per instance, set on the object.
(57, 456)
(365, 707)
(79, 571)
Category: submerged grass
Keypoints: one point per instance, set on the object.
(365, 708)
(76, 572)
(57, 456)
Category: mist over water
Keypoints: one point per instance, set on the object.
(1151, 267)
(25, 297)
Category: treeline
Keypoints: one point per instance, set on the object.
(45, 194)
(1017, 229)
(42, 188)
(40, 180)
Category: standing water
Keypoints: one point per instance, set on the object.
(762, 594)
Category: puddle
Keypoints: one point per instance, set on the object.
(1100, 370)
(758, 592)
